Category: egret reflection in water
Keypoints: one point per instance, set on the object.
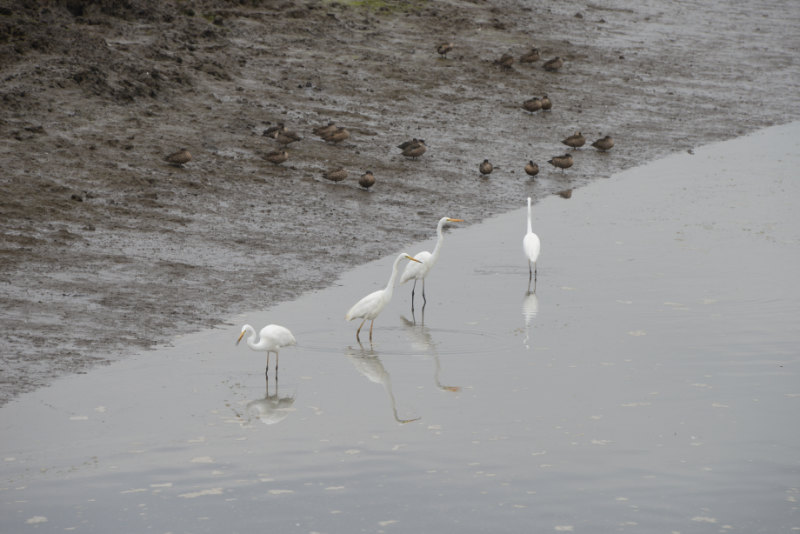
(530, 308)
(272, 408)
(367, 363)
(421, 340)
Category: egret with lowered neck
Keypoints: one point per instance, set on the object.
(271, 338)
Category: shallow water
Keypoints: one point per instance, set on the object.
(649, 385)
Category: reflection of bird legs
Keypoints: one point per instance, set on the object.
(272, 408)
(436, 376)
(266, 394)
(530, 308)
(369, 364)
(531, 275)
(427, 341)
(414, 318)
(388, 386)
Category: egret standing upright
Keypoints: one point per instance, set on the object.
(372, 305)
(426, 261)
(532, 246)
(271, 338)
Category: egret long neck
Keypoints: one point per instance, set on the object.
(438, 246)
(252, 338)
(530, 229)
(395, 269)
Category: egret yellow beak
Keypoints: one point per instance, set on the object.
(455, 220)
(413, 259)
(240, 337)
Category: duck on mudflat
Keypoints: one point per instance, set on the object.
(575, 140)
(561, 162)
(531, 169)
(606, 143)
(553, 64)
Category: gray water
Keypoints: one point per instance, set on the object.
(649, 385)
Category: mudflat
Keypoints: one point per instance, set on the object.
(106, 248)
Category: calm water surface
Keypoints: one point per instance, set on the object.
(649, 385)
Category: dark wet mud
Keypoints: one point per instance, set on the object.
(106, 249)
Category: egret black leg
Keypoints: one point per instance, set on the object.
(412, 295)
(424, 300)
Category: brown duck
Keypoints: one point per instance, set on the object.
(272, 131)
(505, 61)
(606, 143)
(337, 136)
(335, 175)
(561, 162)
(405, 144)
(322, 131)
(444, 48)
(366, 180)
(531, 169)
(177, 159)
(285, 137)
(277, 157)
(485, 167)
(575, 140)
(566, 193)
(530, 56)
(532, 104)
(553, 64)
(547, 104)
(414, 149)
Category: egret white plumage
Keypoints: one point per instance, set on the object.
(426, 261)
(271, 338)
(532, 246)
(371, 306)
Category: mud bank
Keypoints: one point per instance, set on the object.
(105, 249)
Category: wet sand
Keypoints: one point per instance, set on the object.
(105, 249)
(649, 385)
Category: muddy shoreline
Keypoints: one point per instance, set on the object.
(106, 249)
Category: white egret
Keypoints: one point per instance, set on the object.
(418, 271)
(371, 306)
(271, 338)
(532, 246)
